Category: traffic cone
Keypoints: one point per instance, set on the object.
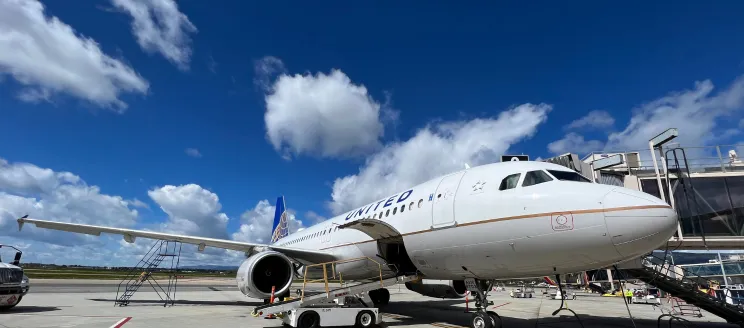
(271, 300)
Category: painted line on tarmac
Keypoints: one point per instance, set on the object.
(121, 322)
(501, 305)
(444, 325)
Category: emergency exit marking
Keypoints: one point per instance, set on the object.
(562, 221)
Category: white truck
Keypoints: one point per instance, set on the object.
(13, 283)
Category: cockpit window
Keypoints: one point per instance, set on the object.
(535, 177)
(510, 181)
(568, 176)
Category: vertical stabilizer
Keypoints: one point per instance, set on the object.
(281, 226)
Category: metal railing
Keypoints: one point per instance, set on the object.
(713, 158)
(334, 271)
(697, 286)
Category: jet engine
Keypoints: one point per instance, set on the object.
(439, 288)
(258, 273)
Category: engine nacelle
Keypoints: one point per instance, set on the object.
(439, 288)
(258, 273)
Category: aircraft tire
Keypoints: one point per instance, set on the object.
(495, 319)
(481, 320)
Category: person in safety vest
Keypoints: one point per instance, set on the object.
(628, 295)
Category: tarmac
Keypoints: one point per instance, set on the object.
(218, 303)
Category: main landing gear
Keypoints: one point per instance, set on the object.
(481, 317)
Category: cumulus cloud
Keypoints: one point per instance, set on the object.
(59, 196)
(574, 143)
(192, 210)
(256, 223)
(435, 150)
(160, 27)
(695, 112)
(323, 115)
(595, 119)
(47, 57)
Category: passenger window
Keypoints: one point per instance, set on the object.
(510, 181)
(402, 208)
(395, 210)
(410, 206)
(532, 178)
(568, 176)
(421, 202)
(387, 213)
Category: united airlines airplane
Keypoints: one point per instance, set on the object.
(495, 221)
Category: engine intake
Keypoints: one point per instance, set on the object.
(258, 273)
(439, 288)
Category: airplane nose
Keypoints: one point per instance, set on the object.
(637, 222)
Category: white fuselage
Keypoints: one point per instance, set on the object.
(462, 225)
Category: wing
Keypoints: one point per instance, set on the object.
(305, 256)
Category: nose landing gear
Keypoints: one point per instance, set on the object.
(481, 317)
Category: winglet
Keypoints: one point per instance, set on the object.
(280, 228)
(21, 221)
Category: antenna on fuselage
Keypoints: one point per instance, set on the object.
(467, 166)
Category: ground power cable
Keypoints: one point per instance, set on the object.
(625, 299)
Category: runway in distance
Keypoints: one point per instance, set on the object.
(495, 221)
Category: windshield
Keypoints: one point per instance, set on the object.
(568, 176)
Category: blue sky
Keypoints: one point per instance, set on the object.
(332, 105)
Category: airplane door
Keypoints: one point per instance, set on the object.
(443, 209)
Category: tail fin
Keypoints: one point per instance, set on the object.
(281, 226)
(550, 281)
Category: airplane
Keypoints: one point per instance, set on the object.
(458, 232)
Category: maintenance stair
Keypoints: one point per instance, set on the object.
(150, 263)
(327, 297)
(683, 284)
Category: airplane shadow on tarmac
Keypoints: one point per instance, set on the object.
(183, 302)
(441, 313)
(20, 309)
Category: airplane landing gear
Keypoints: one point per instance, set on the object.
(481, 317)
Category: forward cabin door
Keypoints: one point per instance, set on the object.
(443, 207)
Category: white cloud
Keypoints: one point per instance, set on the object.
(59, 196)
(193, 152)
(695, 113)
(159, 26)
(266, 69)
(574, 143)
(323, 115)
(192, 210)
(46, 57)
(436, 150)
(595, 119)
(256, 223)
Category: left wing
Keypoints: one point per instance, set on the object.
(305, 256)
